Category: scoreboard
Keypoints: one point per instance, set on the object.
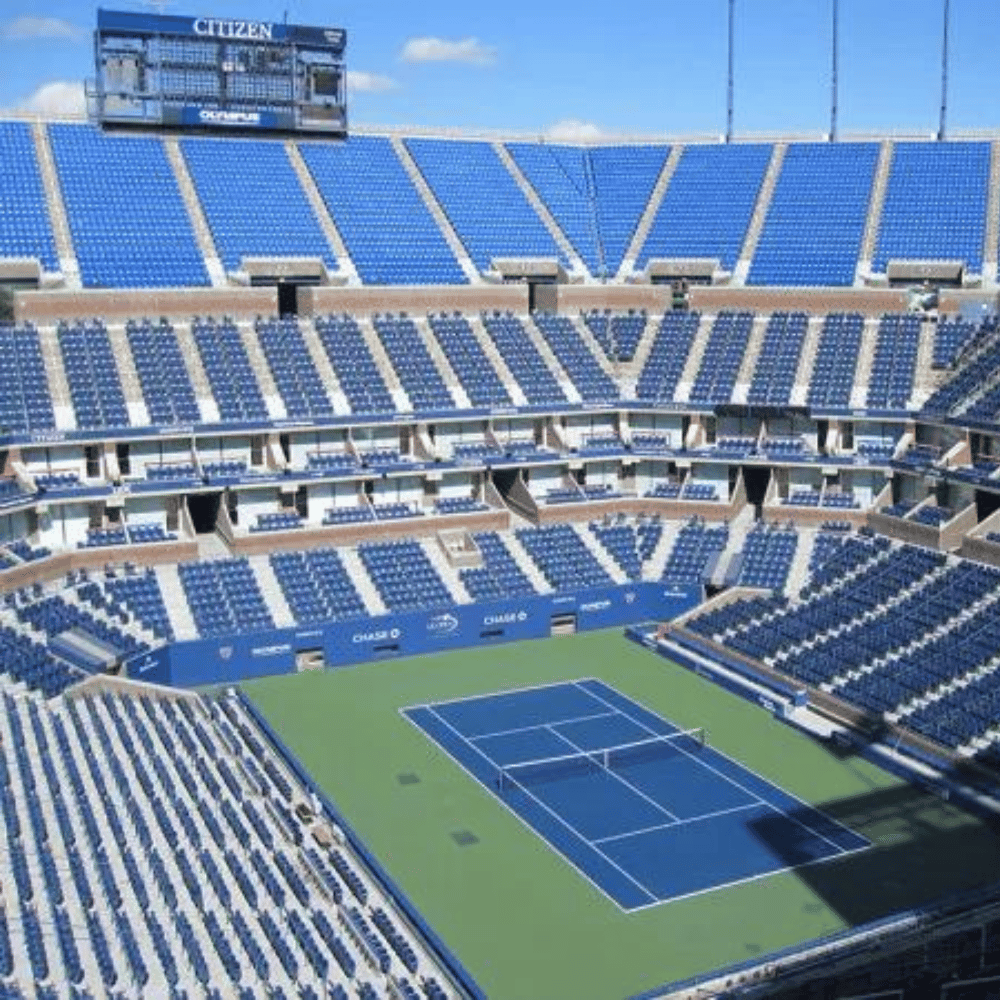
(217, 74)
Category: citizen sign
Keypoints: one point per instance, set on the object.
(233, 29)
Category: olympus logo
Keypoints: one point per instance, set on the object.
(510, 618)
(233, 29)
(229, 117)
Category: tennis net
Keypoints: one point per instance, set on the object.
(525, 773)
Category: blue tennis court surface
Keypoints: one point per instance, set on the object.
(654, 821)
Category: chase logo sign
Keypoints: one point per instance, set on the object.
(380, 636)
(510, 618)
(442, 624)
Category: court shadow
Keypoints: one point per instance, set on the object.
(922, 848)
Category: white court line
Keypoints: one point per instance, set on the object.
(642, 795)
(840, 850)
(555, 815)
(542, 725)
(679, 823)
(496, 694)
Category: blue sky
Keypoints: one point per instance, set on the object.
(567, 68)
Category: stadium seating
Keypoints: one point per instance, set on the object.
(778, 364)
(316, 586)
(591, 381)
(353, 364)
(404, 576)
(25, 230)
(563, 558)
(624, 177)
(388, 231)
(563, 178)
(477, 375)
(663, 369)
(695, 552)
(224, 358)
(166, 385)
(816, 220)
(253, 201)
(89, 363)
(466, 175)
(522, 358)
(708, 206)
(935, 204)
(836, 361)
(891, 382)
(129, 225)
(722, 359)
(413, 363)
(499, 576)
(25, 403)
(294, 373)
(766, 558)
(224, 597)
(617, 333)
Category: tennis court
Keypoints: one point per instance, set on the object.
(647, 812)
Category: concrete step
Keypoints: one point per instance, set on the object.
(694, 359)
(442, 364)
(348, 272)
(527, 565)
(58, 218)
(759, 217)
(866, 357)
(178, 610)
(607, 562)
(199, 223)
(55, 376)
(660, 188)
(577, 267)
(447, 572)
(551, 361)
(372, 599)
(324, 369)
(434, 207)
(262, 371)
(272, 593)
(121, 350)
(755, 344)
(495, 358)
(875, 205)
(807, 361)
(196, 372)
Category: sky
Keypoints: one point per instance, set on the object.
(576, 69)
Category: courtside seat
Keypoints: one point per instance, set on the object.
(499, 576)
(565, 561)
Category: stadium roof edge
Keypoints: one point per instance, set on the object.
(602, 139)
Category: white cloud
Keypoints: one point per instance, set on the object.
(40, 27)
(572, 130)
(464, 50)
(60, 98)
(368, 83)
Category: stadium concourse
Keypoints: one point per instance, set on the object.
(273, 405)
